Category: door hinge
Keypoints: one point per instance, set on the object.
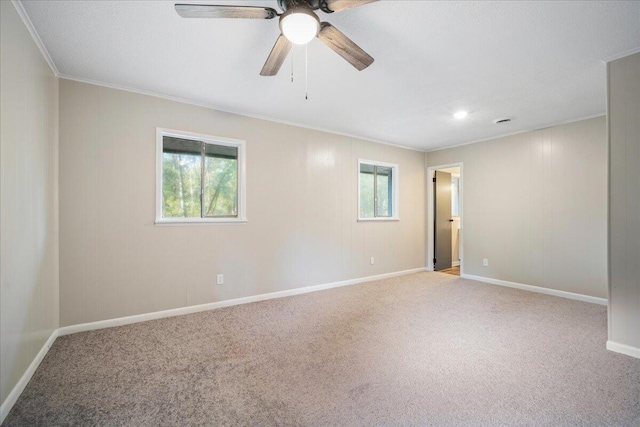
(434, 179)
(434, 261)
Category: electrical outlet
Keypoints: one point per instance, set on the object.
(485, 262)
(373, 261)
(220, 279)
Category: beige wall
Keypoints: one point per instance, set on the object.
(535, 205)
(624, 202)
(29, 202)
(301, 207)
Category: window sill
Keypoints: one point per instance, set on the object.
(379, 219)
(199, 221)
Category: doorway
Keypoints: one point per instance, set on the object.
(444, 219)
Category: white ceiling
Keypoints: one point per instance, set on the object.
(539, 63)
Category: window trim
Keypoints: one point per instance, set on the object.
(395, 214)
(242, 190)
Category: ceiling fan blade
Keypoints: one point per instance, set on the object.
(213, 11)
(338, 5)
(344, 47)
(276, 57)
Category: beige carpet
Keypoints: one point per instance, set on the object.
(425, 349)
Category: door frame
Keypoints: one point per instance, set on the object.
(430, 213)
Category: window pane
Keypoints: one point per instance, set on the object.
(384, 196)
(366, 191)
(181, 178)
(221, 181)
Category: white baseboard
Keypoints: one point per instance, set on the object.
(12, 398)
(538, 289)
(83, 327)
(455, 264)
(623, 349)
(66, 330)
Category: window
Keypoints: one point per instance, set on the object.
(200, 178)
(455, 195)
(377, 191)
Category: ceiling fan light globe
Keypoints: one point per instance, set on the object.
(300, 26)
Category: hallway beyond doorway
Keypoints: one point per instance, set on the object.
(455, 271)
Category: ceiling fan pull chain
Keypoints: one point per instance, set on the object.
(306, 71)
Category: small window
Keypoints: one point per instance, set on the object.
(377, 191)
(200, 178)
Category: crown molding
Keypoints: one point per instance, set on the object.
(621, 55)
(34, 34)
(564, 122)
(213, 107)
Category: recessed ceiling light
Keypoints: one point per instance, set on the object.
(460, 115)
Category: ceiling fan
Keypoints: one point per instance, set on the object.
(299, 24)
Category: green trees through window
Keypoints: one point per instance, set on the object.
(199, 179)
(367, 199)
(376, 191)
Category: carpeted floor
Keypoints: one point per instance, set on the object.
(424, 349)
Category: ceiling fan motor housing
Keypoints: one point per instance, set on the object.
(312, 4)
